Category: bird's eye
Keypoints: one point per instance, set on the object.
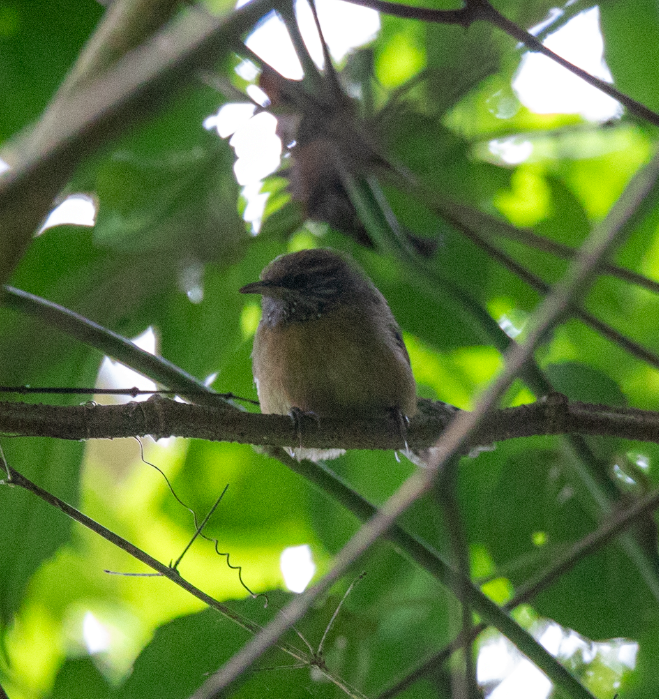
(298, 281)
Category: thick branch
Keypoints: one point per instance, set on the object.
(162, 417)
(125, 25)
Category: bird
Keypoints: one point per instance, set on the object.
(328, 344)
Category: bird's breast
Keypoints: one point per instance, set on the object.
(343, 363)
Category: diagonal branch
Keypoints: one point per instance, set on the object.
(128, 92)
(535, 282)
(169, 572)
(463, 17)
(490, 226)
(110, 343)
(482, 10)
(17, 479)
(383, 227)
(124, 26)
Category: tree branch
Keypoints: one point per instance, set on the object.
(464, 17)
(110, 343)
(162, 417)
(525, 236)
(124, 26)
(482, 10)
(17, 479)
(127, 92)
(536, 283)
(412, 547)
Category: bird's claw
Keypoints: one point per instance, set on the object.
(297, 415)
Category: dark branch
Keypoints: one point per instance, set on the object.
(527, 237)
(110, 343)
(535, 282)
(464, 16)
(162, 417)
(17, 479)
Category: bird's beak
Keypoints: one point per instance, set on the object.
(265, 288)
(253, 288)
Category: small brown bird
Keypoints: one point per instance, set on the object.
(327, 343)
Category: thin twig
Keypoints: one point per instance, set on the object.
(630, 346)
(200, 527)
(168, 572)
(462, 17)
(466, 219)
(312, 75)
(463, 677)
(490, 14)
(332, 78)
(132, 392)
(109, 343)
(530, 239)
(321, 645)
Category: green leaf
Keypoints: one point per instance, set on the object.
(39, 42)
(181, 201)
(181, 656)
(527, 480)
(77, 676)
(32, 530)
(35, 354)
(629, 38)
(186, 651)
(584, 383)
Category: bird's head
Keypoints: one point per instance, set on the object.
(304, 285)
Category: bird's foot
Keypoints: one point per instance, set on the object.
(403, 423)
(300, 453)
(297, 415)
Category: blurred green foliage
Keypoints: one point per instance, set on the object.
(169, 251)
